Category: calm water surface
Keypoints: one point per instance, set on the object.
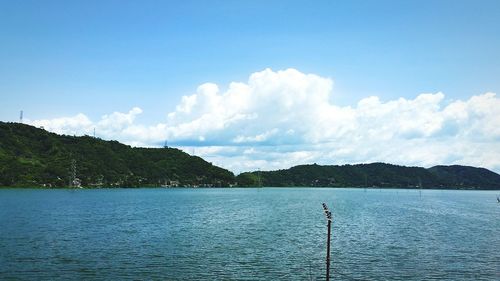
(248, 234)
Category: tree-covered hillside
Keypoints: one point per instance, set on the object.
(456, 175)
(376, 175)
(34, 157)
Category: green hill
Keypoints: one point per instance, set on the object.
(376, 175)
(464, 176)
(34, 157)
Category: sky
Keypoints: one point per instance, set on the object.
(264, 85)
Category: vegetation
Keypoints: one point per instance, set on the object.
(378, 175)
(33, 157)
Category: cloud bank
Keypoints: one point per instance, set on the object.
(285, 118)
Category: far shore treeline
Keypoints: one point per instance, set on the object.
(33, 157)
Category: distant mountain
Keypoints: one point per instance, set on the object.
(33, 157)
(375, 175)
(465, 176)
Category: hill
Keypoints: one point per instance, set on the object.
(376, 175)
(31, 156)
(465, 176)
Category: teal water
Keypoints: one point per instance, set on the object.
(248, 234)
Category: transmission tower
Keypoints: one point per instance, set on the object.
(72, 173)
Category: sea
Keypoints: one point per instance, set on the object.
(248, 234)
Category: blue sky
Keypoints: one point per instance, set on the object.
(97, 58)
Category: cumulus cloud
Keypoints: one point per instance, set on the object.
(282, 118)
(65, 125)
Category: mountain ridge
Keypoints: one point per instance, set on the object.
(381, 175)
(34, 157)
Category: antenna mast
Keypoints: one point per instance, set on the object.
(21, 117)
(73, 180)
(72, 173)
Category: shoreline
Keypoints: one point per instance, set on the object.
(245, 187)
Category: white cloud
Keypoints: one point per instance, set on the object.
(75, 125)
(284, 118)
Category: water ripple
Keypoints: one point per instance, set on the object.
(248, 234)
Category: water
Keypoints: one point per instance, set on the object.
(248, 234)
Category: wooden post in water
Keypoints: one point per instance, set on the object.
(328, 215)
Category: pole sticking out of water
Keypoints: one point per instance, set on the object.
(328, 216)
